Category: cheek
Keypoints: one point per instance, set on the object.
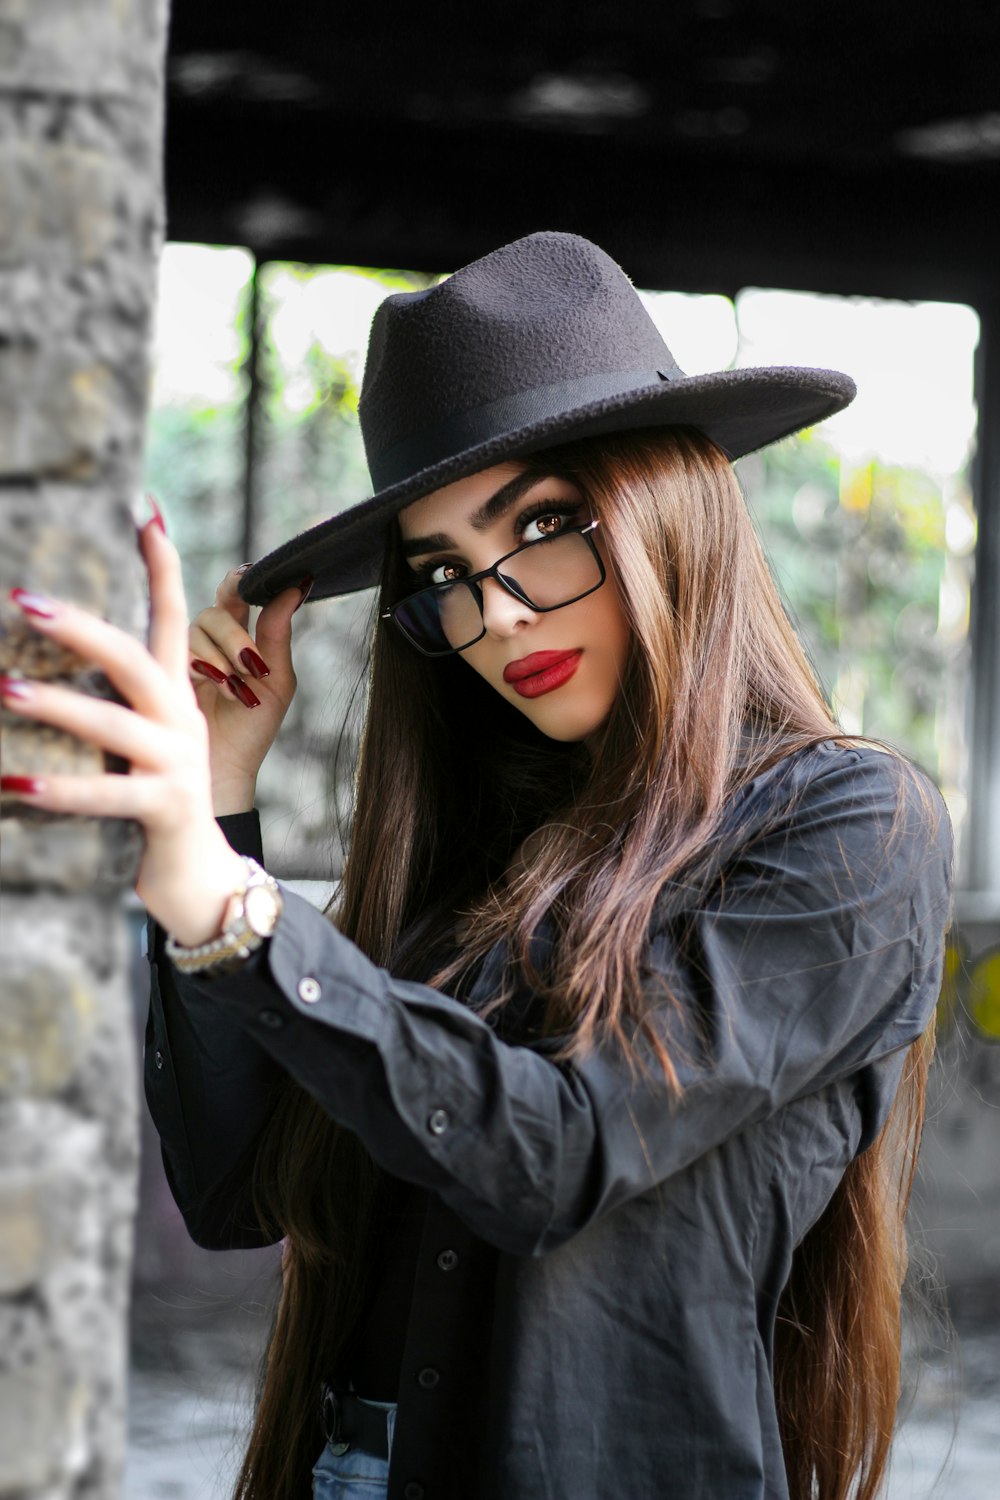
(481, 658)
(607, 622)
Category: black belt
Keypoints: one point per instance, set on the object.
(349, 1423)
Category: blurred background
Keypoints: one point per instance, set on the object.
(783, 192)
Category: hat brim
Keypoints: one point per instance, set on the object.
(739, 410)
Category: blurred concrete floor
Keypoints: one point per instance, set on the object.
(193, 1372)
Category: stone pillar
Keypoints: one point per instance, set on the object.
(81, 87)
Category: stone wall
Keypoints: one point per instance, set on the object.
(81, 86)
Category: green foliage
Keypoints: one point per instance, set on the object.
(859, 553)
(311, 457)
(194, 466)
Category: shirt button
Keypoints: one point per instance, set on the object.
(270, 1019)
(428, 1378)
(309, 990)
(413, 1491)
(447, 1260)
(438, 1122)
(158, 1060)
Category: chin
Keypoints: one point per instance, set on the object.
(557, 723)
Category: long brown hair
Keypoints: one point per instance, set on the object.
(717, 688)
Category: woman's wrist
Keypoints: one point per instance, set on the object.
(233, 797)
(249, 919)
(200, 918)
(203, 915)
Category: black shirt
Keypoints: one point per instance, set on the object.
(599, 1263)
(377, 1348)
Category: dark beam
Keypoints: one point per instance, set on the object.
(428, 198)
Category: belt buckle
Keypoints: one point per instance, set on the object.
(330, 1416)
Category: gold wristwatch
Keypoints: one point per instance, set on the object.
(251, 915)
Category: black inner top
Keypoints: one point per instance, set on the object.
(378, 1356)
(377, 1350)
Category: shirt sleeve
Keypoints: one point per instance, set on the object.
(817, 952)
(210, 1087)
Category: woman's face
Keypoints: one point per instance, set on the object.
(465, 527)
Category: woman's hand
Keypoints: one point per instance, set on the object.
(188, 869)
(243, 685)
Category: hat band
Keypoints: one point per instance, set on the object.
(508, 414)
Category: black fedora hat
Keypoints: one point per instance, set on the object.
(540, 342)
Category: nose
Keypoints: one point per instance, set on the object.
(502, 612)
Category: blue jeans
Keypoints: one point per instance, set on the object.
(353, 1475)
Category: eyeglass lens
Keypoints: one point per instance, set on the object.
(547, 573)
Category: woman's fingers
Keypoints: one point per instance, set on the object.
(168, 614)
(274, 623)
(150, 799)
(220, 645)
(227, 596)
(208, 662)
(236, 672)
(140, 678)
(98, 722)
(216, 640)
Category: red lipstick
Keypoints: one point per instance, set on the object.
(541, 672)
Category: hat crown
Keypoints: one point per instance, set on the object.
(548, 308)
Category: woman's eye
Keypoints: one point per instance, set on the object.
(444, 572)
(541, 526)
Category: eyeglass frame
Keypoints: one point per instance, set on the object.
(474, 580)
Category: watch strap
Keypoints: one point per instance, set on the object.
(238, 938)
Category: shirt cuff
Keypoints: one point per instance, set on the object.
(242, 832)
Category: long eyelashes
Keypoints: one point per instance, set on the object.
(422, 574)
(545, 508)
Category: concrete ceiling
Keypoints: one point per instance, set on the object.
(707, 144)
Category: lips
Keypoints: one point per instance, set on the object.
(542, 672)
(538, 661)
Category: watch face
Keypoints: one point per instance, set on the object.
(261, 909)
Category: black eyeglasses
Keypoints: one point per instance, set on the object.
(545, 574)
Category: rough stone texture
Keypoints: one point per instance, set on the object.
(71, 46)
(55, 413)
(27, 747)
(49, 539)
(75, 276)
(47, 1160)
(68, 854)
(68, 1155)
(80, 229)
(39, 1409)
(47, 1019)
(51, 195)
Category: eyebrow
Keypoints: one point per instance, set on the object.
(482, 519)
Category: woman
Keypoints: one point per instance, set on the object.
(589, 1126)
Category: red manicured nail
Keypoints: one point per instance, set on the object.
(254, 663)
(157, 514)
(243, 693)
(34, 604)
(14, 687)
(306, 587)
(21, 786)
(207, 670)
